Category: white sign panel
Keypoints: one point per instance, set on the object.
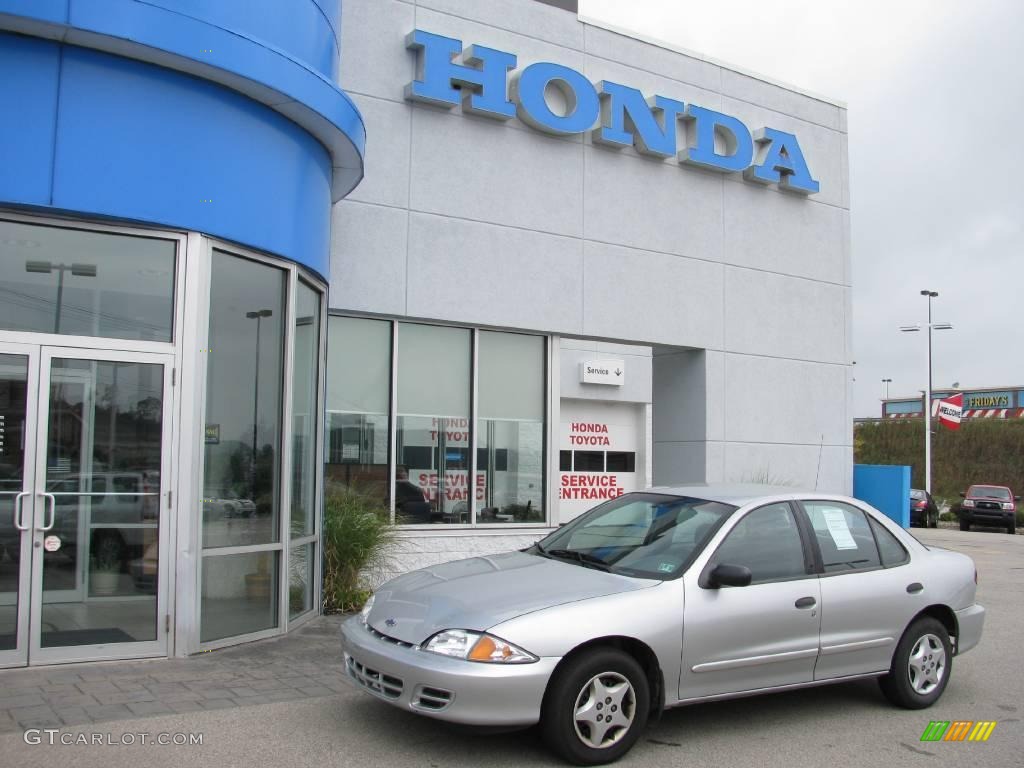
(612, 372)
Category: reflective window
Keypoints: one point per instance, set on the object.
(243, 403)
(767, 541)
(358, 404)
(843, 536)
(239, 594)
(889, 547)
(305, 385)
(70, 281)
(433, 434)
(510, 430)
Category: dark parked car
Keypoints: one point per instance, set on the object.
(923, 509)
(992, 505)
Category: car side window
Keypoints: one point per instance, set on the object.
(889, 547)
(767, 541)
(843, 535)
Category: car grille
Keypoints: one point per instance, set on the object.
(432, 699)
(987, 505)
(388, 638)
(376, 682)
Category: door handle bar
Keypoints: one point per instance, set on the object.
(18, 507)
(52, 505)
(806, 602)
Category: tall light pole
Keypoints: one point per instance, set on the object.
(928, 392)
(258, 316)
(47, 267)
(885, 388)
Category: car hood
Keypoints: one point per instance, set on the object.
(480, 592)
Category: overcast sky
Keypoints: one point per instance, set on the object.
(935, 91)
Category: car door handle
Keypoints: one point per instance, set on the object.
(915, 587)
(806, 602)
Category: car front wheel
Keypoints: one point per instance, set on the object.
(596, 707)
(964, 525)
(920, 667)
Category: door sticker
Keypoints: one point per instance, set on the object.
(838, 528)
(51, 543)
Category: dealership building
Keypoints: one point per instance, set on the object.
(486, 262)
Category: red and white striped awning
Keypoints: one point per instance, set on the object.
(970, 413)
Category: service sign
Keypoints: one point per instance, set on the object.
(611, 372)
(488, 83)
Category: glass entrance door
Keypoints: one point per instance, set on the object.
(89, 522)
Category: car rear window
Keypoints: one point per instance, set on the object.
(917, 494)
(990, 491)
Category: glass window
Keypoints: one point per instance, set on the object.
(588, 461)
(301, 577)
(358, 404)
(843, 536)
(639, 534)
(889, 547)
(510, 428)
(767, 541)
(433, 413)
(70, 281)
(305, 383)
(243, 403)
(621, 461)
(565, 461)
(239, 594)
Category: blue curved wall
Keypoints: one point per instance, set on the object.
(247, 137)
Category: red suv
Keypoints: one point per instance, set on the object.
(992, 505)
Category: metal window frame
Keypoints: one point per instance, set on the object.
(551, 414)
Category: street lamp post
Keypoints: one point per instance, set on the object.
(257, 315)
(885, 388)
(47, 267)
(928, 392)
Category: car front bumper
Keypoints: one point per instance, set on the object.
(969, 623)
(994, 517)
(445, 688)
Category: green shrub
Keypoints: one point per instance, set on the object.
(357, 540)
(948, 517)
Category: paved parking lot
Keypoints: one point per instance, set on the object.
(847, 725)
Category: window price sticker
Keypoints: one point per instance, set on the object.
(838, 528)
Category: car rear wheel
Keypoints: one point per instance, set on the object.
(596, 707)
(920, 667)
(933, 521)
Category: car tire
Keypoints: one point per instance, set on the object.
(934, 521)
(964, 525)
(920, 667)
(1011, 527)
(571, 708)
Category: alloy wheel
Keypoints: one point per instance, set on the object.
(927, 664)
(604, 710)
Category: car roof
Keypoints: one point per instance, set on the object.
(742, 494)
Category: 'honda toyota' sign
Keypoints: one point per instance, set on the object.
(615, 115)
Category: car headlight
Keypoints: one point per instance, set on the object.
(476, 646)
(968, 503)
(365, 613)
(1008, 505)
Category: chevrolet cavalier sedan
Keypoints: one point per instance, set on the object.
(664, 598)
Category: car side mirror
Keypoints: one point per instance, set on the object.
(963, 494)
(1016, 498)
(725, 575)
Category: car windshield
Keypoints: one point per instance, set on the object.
(917, 494)
(990, 492)
(639, 534)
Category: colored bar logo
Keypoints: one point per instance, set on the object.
(958, 730)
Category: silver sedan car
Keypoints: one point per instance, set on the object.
(668, 597)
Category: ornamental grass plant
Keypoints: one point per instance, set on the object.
(357, 541)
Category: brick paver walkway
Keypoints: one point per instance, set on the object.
(302, 665)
